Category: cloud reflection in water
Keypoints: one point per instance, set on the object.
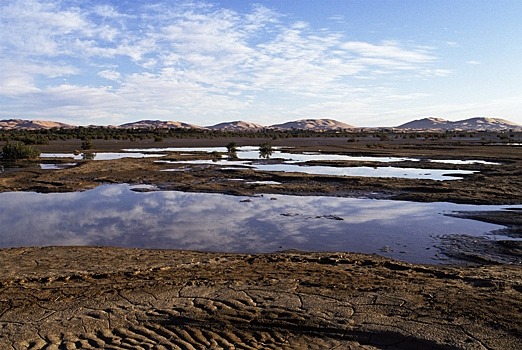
(113, 215)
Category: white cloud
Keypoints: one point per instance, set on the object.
(109, 12)
(34, 28)
(435, 72)
(388, 50)
(190, 60)
(110, 74)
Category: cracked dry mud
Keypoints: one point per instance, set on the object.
(87, 297)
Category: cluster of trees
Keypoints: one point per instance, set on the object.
(19, 140)
(265, 150)
(15, 150)
(43, 136)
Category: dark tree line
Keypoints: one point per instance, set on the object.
(44, 136)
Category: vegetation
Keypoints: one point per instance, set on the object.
(44, 136)
(265, 150)
(232, 150)
(18, 150)
(87, 144)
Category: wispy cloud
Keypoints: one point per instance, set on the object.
(191, 60)
(110, 74)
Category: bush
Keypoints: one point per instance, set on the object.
(265, 150)
(18, 150)
(87, 144)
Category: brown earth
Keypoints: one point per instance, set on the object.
(84, 298)
(492, 184)
(88, 297)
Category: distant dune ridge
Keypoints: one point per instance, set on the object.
(431, 123)
(491, 124)
(157, 124)
(31, 124)
(236, 126)
(313, 124)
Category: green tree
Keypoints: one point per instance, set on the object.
(18, 150)
(265, 150)
(232, 150)
(87, 144)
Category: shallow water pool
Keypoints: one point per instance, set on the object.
(116, 215)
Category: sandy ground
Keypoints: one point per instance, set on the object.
(74, 297)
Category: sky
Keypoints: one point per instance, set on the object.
(361, 62)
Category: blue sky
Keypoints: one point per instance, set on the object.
(365, 63)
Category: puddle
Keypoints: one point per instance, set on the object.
(384, 171)
(177, 149)
(463, 162)
(293, 162)
(264, 183)
(127, 216)
(101, 155)
(44, 166)
(252, 152)
(388, 172)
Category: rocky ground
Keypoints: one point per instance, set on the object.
(88, 297)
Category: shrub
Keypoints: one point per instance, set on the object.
(87, 144)
(18, 150)
(265, 150)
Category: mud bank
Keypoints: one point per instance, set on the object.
(72, 297)
(491, 184)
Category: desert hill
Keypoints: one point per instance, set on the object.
(471, 124)
(157, 124)
(237, 126)
(491, 124)
(31, 124)
(313, 124)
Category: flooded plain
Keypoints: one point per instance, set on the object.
(252, 152)
(100, 155)
(143, 217)
(282, 161)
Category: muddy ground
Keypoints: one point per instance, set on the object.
(491, 184)
(72, 297)
(84, 298)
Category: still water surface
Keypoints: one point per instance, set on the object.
(252, 152)
(364, 171)
(101, 155)
(291, 162)
(115, 215)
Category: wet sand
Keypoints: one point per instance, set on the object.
(92, 297)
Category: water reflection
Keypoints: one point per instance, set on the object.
(463, 161)
(252, 152)
(385, 171)
(114, 215)
(45, 166)
(100, 155)
(405, 173)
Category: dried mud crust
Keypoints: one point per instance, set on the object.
(483, 250)
(73, 297)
